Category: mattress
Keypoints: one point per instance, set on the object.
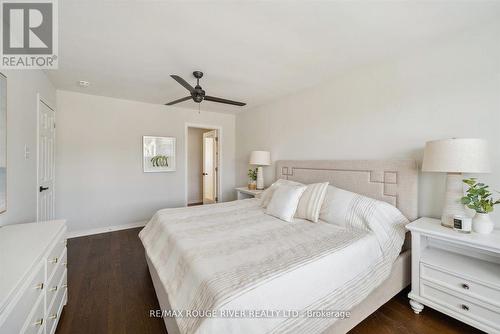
(252, 273)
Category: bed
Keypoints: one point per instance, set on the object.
(236, 269)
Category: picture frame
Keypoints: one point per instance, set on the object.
(159, 154)
(3, 143)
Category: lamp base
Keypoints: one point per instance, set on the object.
(454, 194)
(260, 178)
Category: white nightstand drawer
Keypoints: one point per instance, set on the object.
(468, 308)
(464, 286)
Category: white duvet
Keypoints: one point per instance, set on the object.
(233, 257)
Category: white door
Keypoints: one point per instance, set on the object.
(210, 167)
(46, 161)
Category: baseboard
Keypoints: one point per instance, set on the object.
(82, 233)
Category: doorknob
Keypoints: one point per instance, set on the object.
(204, 174)
(43, 188)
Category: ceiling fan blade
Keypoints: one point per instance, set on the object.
(219, 100)
(179, 100)
(183, 83)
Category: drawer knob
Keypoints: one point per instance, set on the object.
(465, 307)
(39, 322)
(465, 286)
(39, 286)
(64, 285)
(53, 316)
(54, 260)
(54, 288)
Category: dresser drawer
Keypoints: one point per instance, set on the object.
(469, 307)
(35, 322)
(54, 311)
(468, 287)
(30, 294)
(54, 284)
(53, 259)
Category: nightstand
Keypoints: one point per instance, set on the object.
(244, 192)
(455, 273)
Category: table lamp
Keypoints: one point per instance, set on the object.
(260, 158)
(454, 157)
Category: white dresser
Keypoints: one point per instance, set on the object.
(33, 288)
(456, 273)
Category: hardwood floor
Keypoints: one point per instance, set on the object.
(110, 291)
(109, 287)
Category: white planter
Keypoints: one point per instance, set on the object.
(482, 223)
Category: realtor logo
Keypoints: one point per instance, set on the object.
(29, 34)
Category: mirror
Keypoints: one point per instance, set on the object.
(3, 143)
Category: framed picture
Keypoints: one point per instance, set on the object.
(3, 143)
(158, 154)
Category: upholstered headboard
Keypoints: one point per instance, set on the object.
(392, 181)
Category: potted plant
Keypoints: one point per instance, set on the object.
(480, 199)
(252, 179)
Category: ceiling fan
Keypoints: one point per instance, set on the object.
(198, 94)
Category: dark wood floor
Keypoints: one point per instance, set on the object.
(110, 291)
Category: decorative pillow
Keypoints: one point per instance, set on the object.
(284, 201)
(351, 210)
(311, 201)
(335, 205)
(268, 193)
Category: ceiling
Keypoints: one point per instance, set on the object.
(250, 51)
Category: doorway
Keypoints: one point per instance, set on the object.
(203, 159)
(46, 161)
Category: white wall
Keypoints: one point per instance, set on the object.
(388, 111)
(99, 177)
(195, 164)
(22, 89)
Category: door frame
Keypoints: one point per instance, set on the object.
(40, 98)
(219, 148)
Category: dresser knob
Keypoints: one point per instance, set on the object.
(52, 316)
(39, 322)
(54, 288)
(39, 286)
(465, 286)
(64, 285)
(465, 307)
(54, 260)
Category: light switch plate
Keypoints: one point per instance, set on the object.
(27, 152)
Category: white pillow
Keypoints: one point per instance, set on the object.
(351, 210)
(311, 201)
(335, 205)
(284, 201)
(268, 193)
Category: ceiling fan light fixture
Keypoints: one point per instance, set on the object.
(197, 92)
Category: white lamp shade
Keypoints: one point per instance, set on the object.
(260, 158)
(457, 155)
